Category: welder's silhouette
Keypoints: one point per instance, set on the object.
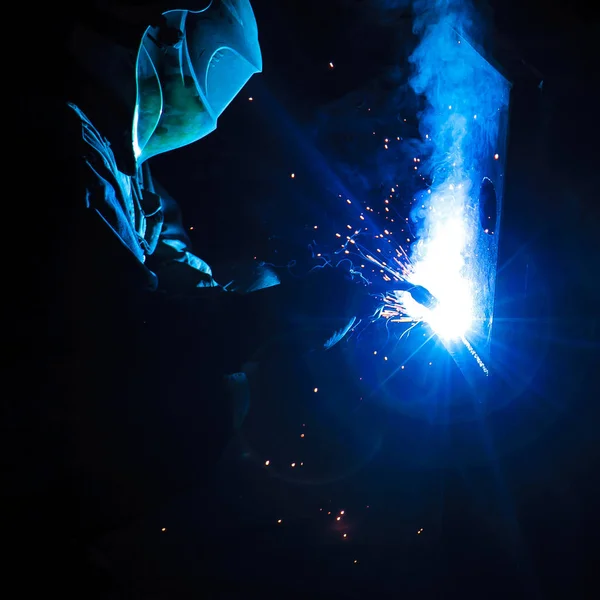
(126, 374)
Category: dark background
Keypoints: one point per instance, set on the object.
(501, 504)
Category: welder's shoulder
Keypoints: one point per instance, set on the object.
(69, 126)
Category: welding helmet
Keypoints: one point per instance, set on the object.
(221, 51)
(200, 60)
(218, 46)
(193, 58)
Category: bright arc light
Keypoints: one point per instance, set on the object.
(450, 320)
(440, 268)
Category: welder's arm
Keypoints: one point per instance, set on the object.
(178, 269)
(300, 314)
(296, 316)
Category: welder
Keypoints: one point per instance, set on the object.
(128, 355)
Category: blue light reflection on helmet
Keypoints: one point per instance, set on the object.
(222, 51)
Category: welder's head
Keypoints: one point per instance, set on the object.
(191, 65)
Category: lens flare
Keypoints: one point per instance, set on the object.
(440, 268)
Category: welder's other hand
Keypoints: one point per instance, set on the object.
(423, 296)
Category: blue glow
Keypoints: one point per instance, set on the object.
(465, 99)
(422, 167)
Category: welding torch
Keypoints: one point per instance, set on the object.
(373, 302)
(420, 294)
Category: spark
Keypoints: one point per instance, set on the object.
(435, 245)
(437, 265)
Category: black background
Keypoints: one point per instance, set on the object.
(504, 505)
